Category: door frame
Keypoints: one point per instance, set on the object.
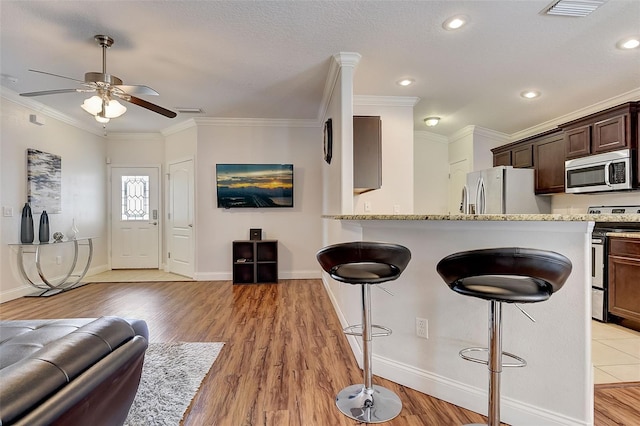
(160, 208)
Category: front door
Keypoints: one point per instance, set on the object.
(135, 226)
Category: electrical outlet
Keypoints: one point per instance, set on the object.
(367, 206)
(396, 208)
(422, 328)
(58, 260)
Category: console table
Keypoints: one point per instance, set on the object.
(71, 279)
(255, 261)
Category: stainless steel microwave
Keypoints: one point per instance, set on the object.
(610, 171)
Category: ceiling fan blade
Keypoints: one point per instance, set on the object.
(56, 75)
(48, 92)
(137, 89)
(150, 106)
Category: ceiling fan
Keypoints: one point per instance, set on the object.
(107, 87)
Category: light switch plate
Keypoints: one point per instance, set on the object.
(7, 211)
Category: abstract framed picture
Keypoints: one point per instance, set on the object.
(44, 181)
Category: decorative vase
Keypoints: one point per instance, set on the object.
(26, 225)
(43, 230)
(74, 230)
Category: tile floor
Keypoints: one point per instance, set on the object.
(615, 353)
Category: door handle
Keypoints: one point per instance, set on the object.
(153, 223)
(191, 225)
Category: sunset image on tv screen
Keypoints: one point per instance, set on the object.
(254, 185)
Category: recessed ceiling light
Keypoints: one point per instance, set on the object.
(455, 22)
(628, 43)
(530, 94)
(431, 121)
(406, 82)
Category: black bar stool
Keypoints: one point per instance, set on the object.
(510, 275)
(366, 263)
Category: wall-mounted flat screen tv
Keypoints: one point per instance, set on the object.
(254, 185)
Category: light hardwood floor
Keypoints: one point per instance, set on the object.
(284, 358)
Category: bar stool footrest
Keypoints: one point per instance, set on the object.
(356, 330)
(520, 362)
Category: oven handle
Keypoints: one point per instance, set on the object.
(593, 262)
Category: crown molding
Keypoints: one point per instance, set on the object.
(630, 96)
(179, 127)
(399, 101)
(347, 59)
(256, 122)
(155, 136)
(38, 107)
(433, 137)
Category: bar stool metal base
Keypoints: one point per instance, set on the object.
(358, 403)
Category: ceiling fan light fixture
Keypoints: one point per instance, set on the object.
(102, 120)
(112, 108)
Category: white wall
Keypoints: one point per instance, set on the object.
(396, 192)
(83, 190)
(297, 229)
(430, 173)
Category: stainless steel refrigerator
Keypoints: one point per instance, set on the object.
(502, 190)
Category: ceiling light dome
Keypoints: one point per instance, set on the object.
(431, 121)
(628, 43)
(530, 94)
(455, 22)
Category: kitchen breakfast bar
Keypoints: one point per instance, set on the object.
(556, 386)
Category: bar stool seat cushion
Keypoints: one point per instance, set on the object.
(364, 262)
(504, 289)
(510, 274)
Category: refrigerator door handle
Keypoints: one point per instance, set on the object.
(481, 198)
(464, 202)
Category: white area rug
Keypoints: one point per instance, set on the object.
(171, 376)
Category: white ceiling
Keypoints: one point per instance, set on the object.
(270, 59)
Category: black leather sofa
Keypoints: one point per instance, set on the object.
(82, 371)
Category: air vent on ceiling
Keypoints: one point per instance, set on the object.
(185, 110)
(573, 7)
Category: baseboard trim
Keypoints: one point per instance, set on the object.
(227, 276)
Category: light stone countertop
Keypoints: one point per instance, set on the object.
(495, 217)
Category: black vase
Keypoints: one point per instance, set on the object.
(26, 225)
(43, 231)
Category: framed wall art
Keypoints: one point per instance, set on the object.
(44, 181)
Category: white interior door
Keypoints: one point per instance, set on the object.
(181, 207)
(134, 218)
(457, 181)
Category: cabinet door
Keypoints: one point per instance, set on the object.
(502, 159)
(549, 165)
(577, 142)
(624, 287)
(611, 134)
(367, 153)
(523, 156)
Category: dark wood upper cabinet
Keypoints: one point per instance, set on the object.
(502, 159)
(577, 142)
(367, 153)
(611, 134)
(523, 156)
(608, 130)
(549, 163)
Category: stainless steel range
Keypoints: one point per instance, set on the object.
(599, 250)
